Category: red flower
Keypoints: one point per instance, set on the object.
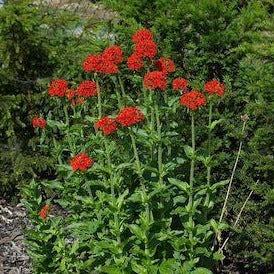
(214, 86)
(58, 88)
(180, 84)
(129, 116)
(146, 48)
(165, 65)
(87, 89)
(39, 122)
(93, 62)
(193, 100)
(155, 79)
(141, 35)
(135, 62)
(81, 162)
(107, 125)
(44, 211)
(114, 54)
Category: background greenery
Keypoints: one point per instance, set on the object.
(229, 40)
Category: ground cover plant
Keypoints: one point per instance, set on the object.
(126, 197)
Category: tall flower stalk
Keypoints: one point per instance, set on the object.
(99, 98)
(208, 165)
(191, 181)
(143, 188)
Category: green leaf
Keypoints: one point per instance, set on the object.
(219, 184)
(189, 151)
(168, 266)
(121, 198)
(201, 270)
(53, 185)
(59, 125)
(90, 119)
(111, 270)
(139, 269)
(184, 186)
(218, 256)
(214, 124)
(136, 230)
(74, 248)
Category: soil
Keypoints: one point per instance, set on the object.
(13, 255)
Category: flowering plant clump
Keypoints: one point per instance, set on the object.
(139, 207)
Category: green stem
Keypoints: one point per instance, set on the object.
(89, 190)
(191, 181)
(139, 171)
(112, 187)
(120, 105)
(66, 115)
(160, 149)
(209, 153)
(67, 135)
(145, 95)
(122, 86)
(167, 123)
(99, 104)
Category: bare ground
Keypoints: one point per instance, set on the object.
(13, 256)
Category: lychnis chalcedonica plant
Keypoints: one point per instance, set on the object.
(126, 198)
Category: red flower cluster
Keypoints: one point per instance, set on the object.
(58, 88)
(179, 84)
(165, 65)
(81, 162)
(114, 54)
(155, 79)
(44, 211)
(107, 125)
(92, 63)
(106, 63)
(135, 62)
(87, 89)
(39, 122)
(215, 87)
(144, 47)
(193, 100)
(140, 35)
(129, 116)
